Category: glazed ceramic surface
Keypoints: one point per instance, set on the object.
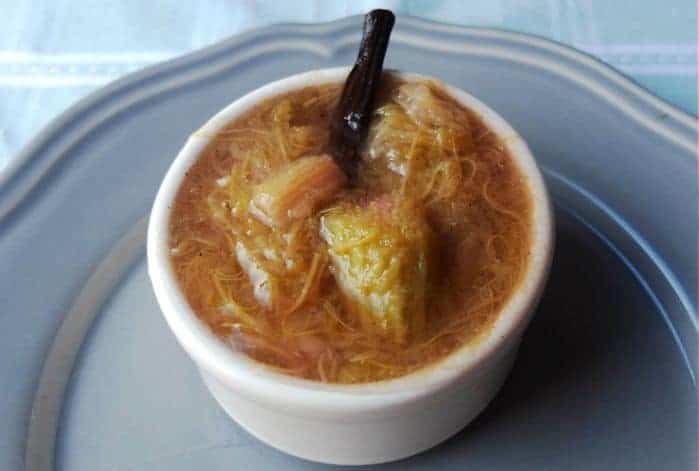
(93, 379)
(352, 424)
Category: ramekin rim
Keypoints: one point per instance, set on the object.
(257, 380)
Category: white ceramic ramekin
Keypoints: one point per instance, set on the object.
(358, 424)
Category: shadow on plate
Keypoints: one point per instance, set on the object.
(594, 356)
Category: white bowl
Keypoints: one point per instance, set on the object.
(351, 424)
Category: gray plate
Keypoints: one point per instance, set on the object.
(605, 379)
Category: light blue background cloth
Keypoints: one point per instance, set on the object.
(54, 52)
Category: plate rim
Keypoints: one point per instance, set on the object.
(81, 115)
(29, 168)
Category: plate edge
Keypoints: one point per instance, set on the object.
(30, 155)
